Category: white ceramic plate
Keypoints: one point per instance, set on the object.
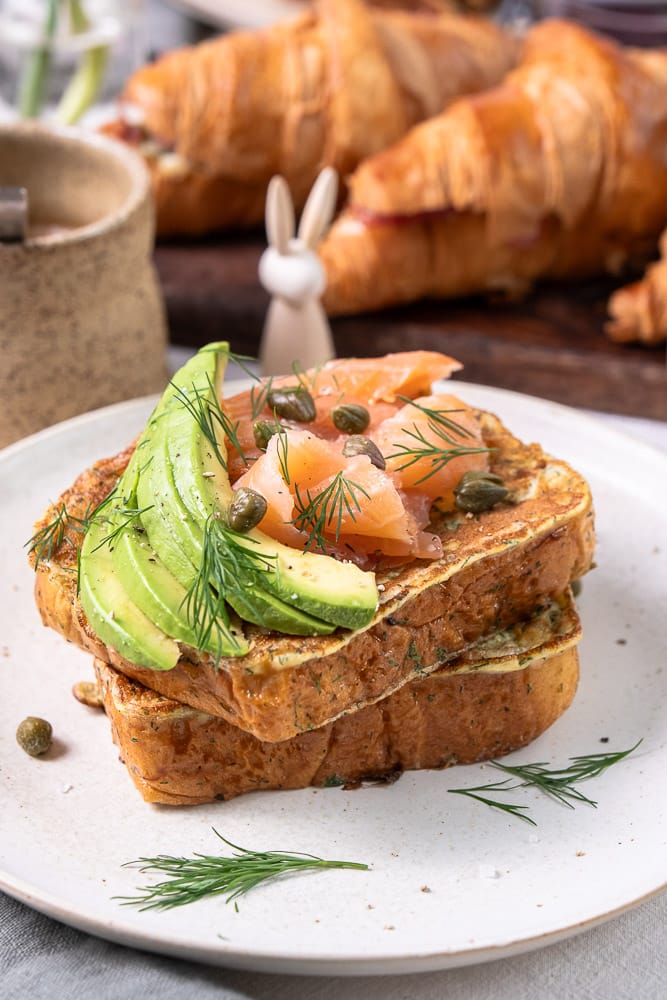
(498, 886)
(241, 13)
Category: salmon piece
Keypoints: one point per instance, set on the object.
(412, 430)
(382, 513)
(376, 383)
(370, 515)
(368, 380)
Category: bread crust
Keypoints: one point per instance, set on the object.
(328, 88)
(496, 568)
(638, 312)
(558, 172)
(177, 755)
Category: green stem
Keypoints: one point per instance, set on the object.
(77, 17)
(36, 69)
(86, 82)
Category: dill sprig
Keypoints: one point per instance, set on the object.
(439, 455)
(316, 513)
(227, 567)
(119, 520)
(558, 783)
(301, 375)
(51, 536)
(204, 407)
(191, 879)
(259, 397)
(282, 451)
(494, 787)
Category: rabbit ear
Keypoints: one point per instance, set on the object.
(279, 214)
(319, 208)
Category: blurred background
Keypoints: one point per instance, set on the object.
(65, 61)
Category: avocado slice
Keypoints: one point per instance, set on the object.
(151, 586)
(339, 593)
(177, 537)
(111, 613)
(171, 538)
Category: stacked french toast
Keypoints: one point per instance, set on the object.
(330, 577)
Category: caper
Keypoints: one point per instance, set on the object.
(350, 418)
(293, 404)
(478, 491)
(246, 510)
(34, 735)
(88, 693)
(263, 431)
(357, 444)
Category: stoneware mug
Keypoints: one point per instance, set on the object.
(82, 321)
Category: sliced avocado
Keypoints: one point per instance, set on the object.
(148, 581)
(177, 536)
(336, 592)
(150, 585)
(169, 534)
(112, 614)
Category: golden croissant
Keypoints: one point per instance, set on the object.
(334, 86)
(639, 311)
(560, 171)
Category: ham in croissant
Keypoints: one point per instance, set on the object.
(560, 171)
(329, 88)
(639, 311)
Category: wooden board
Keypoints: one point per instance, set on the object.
(550, 345)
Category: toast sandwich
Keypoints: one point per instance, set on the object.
(493, 570)
(498, 696)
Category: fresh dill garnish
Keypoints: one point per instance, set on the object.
(495, 787)
(282, 450)
(119, 520)
(443, 427)
(202, 875)
(240, 360)
(205, 408)
(316, 513)
(259, 397)
(229, 564)
(51, 536)
(557, 783)
(440, 417)
(301, 374)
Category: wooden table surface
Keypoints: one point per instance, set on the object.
(550, 345)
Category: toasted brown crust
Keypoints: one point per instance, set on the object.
(328, 88)
(497, 567)
(180, 756)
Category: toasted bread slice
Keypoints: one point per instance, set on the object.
(495, 698)
(497, 566)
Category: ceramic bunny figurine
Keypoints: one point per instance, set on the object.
(296, 327)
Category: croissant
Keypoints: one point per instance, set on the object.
(559, 171)
(639, 311)
(332, 87)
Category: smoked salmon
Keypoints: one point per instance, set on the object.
(320, 493)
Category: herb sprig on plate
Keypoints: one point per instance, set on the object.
(191, 879)
(558, 783)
